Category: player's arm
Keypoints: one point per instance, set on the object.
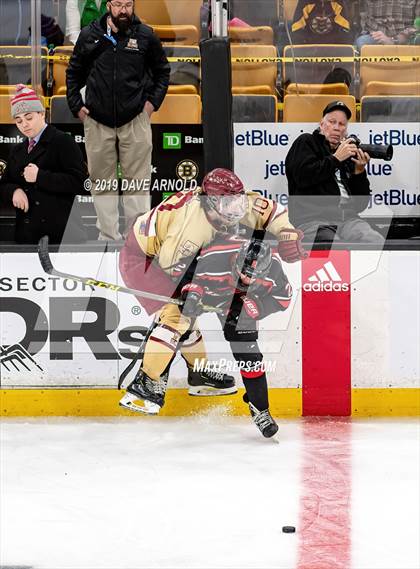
(268, 215)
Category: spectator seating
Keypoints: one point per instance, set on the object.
(314, 72)
(317, 88)
(388, 68)
(393, 88)
(59, 67)
(308, 108)
(179, 109)
(254, 108)
(8, 89)
(60, 112)
(254, 77)
(176, 21)
(262, 35)
(185, 76)
(15, 65)
(390, 109)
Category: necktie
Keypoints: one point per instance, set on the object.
(31, 144)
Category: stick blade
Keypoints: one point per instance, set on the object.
(44, 255)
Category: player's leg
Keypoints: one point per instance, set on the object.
(247, 354)
(201, 381)
(146, 393)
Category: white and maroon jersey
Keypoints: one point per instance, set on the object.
(215, 272)
(178, 227)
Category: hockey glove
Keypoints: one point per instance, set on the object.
(192, 295)
(290, 246)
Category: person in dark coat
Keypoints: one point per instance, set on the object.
(328, 183)
(44, 174)
(123, 65)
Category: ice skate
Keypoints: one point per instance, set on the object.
(262, 419)
(145, 395)
(204, 383)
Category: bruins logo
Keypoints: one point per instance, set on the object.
(187, 170)
(2, 167)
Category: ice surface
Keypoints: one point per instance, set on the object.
(208, 491)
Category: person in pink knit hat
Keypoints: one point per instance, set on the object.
(43, 175)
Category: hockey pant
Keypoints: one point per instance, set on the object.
(172, 331)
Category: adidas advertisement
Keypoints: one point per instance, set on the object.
(394, 184)
(326, 279)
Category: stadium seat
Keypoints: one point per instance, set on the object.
(5, 116)
(185, 75)
(254, 77)
(308, 108)
(387, 67)
(254, 108)
(176, 21)
(314, 72)
(60, 112)
(15, 64)
(391, 88)
(262, 35)
(8, 89)
(317, 89)
(179, 109)
(59, 67)
(396, 109)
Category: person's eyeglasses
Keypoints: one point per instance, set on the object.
(120, 5)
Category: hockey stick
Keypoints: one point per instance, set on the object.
(46, 263)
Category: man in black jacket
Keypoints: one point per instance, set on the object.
(124, 68)
(328, 185)
(43, 175)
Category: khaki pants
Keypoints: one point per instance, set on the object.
(132, 145)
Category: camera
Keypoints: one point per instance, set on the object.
(379, 151)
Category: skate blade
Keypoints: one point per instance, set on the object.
(205, 391)
(131, 402)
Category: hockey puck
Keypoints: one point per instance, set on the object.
(288, 529)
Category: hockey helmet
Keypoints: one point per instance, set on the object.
(224, 193)
(254, 259)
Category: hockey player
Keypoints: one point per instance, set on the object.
(156, 246)
(247, 280)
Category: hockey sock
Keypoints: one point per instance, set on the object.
(257, 391)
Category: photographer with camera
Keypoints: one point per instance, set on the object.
(328, 185)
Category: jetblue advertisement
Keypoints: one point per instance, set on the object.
(261, 149)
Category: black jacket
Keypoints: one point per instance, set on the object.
(119, 79)
(313, 188)
(61, 174)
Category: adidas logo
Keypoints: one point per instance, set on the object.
(326, 279)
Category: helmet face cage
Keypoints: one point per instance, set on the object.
(231, 208)
(254, 259)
